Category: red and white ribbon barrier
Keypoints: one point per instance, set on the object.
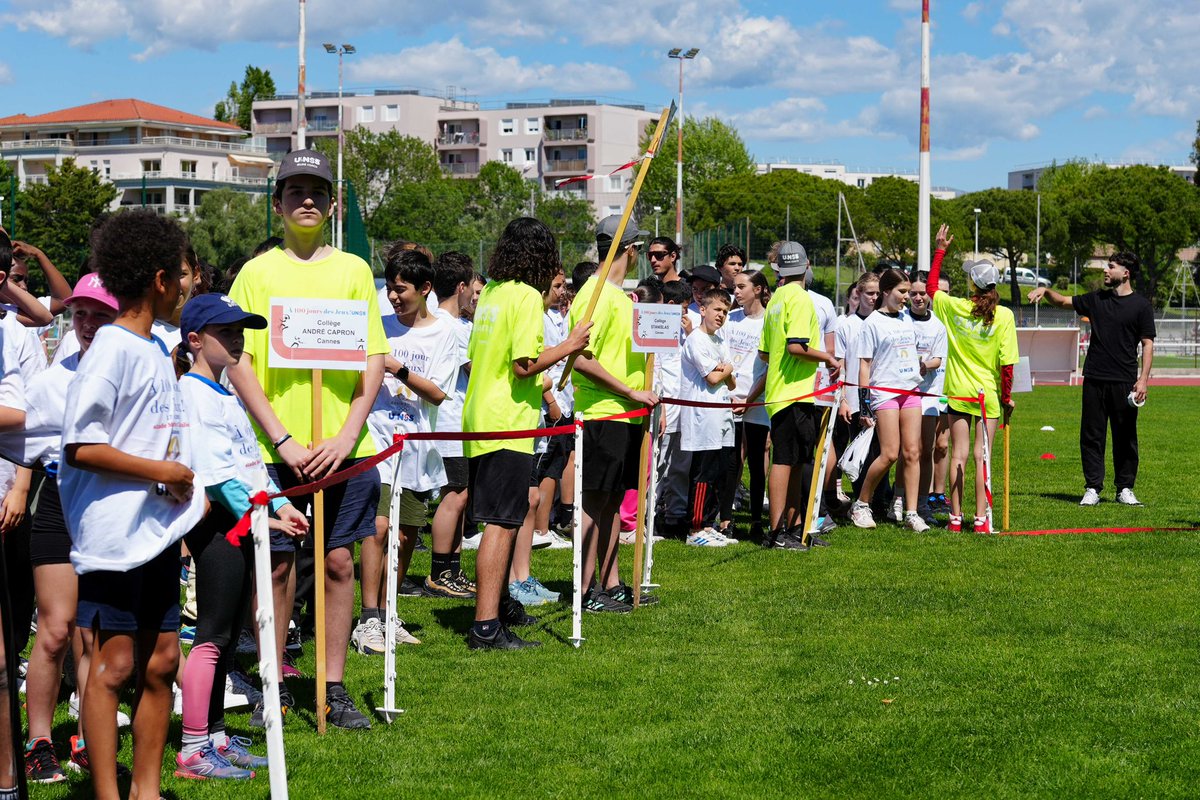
(558, 184)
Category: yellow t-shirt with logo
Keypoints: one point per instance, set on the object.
(790, 315)
(507, 328)
(339, 276)
(975, 352)
(610, 344)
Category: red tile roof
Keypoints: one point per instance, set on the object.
(117, 111)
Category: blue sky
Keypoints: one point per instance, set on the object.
(1014, 81)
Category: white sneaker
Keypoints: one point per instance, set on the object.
(1126, 497)
(860, 515)
(234, 698)
(368, 638)
(472, 542)
(122, 717)
(402, 634)
(704, 538)
(897, 512)
(727, 539)
(557, 542)
(628, 537)
(1092, 498)
(913, 521)
(541, 540)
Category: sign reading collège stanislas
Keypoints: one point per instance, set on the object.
(311, 333)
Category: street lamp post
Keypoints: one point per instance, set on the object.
(657, 214)
(679, 54)
(977, 212)
(345, 49)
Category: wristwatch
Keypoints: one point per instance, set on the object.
(402, 374)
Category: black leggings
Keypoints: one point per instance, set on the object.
(755, 439)
(224, 578)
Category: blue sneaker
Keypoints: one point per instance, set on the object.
(541, 591)
(524, 594)
(208, 763)
(236, 752)
(187, 634)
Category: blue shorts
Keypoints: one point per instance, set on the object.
(145, 598)
(349, 508)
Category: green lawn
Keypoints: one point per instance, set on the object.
(890, 664)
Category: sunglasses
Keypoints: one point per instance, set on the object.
(657, 255)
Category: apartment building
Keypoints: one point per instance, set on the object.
(545, 141)
(1026, 177)
(835, 171)
(156, 156)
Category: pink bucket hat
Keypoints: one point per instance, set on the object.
(90, 287)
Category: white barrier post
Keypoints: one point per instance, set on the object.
(388, 710)
(651, 500)
(268, 668)
(577, 544)
(987, 459)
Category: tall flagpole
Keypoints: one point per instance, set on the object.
(301, 88)
(923, 178)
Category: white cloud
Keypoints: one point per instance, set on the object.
(6, 75)
(484, 71)
(972, 11)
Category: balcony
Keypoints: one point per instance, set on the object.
(574, 166)
(174, 142)
(270, 128)
(566, 135)
(459, 139)
(461, 169)
(320, 125)
(159, 176)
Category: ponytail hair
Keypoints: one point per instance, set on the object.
(889, 279)
(181, 359)
(983, 305)
(759, 281)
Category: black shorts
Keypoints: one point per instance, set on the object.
(794, 434)
(349, 508)
(145, 598)
(458, 472)
(50, 543)
(611, 451)
(551, 463)
(500, 487)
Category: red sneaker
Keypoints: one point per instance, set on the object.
(982, 525)
(955, 523)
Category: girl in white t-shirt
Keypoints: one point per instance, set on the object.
(887, 353)
(752, 427)
(228, 464)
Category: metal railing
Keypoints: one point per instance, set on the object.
(459, 137)
(149, 141)
(188, 176)
(469, 168)
(273, 127)
(565, 134)
(567, 165)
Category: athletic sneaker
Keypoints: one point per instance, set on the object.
(78, 762)
(523, 593)
(512, 612)
(537, 587)
(913, 521)
(786, 540)
(502, 639)
(294, 643)
(239, 690)
(955, 523)
(982, 525)
(938, 504)
(340, 711)
(557, 542)
(286, 704)
(402, 634)
(896, 513)
(409, 589)
(623, 593)
(706, 538)
(816, 541)
(368, 638)
(1126, 497)
(246, 646)
(1091, 498)
(541, 540)
(860, 515)
(236, 751)
(207, 764)
(449, 584)
(73, 711)
(472, 542)
(289, 668)
(724, 533)
(601, 602)
(41, 764)
(187, 634)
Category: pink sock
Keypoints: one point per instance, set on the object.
(629, 510)
(198, 674)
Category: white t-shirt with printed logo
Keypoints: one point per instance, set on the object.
(223, 443)
(890, 341)
(827, 318)
(40, 442)
(22, 345)
(931, 343)
(125, 395)
(449, 417)
(845, 339)
(430, 352)
(742, 336)
(704, 428)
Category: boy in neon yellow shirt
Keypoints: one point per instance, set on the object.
(280, 404)
(505, 394)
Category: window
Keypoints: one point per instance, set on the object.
(391, 113)
(107, 169)
(182, 197)
(581, 154)
(506, 155)
(616, 183)
(188, 168)
(95, 165)
(366, 113)
(508, 127)
(530, 154)
(151, 166)
(533, 125)
(611, 210)
(862, 183)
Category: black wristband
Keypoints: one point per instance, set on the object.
(282, 439)
(402, 374)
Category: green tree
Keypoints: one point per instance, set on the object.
(430, 211)
(57, 215)
(1007, 228)
(890, 219)
(227, 225)
(379, 164)
(1068, 229)
(1196, 151)
(572, 220)
(239, 100)
(711, 150)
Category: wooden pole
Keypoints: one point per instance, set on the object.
(664, 122)
(639, 538)
(818, 475)
(319, 557)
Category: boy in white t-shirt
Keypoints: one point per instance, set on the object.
(674, 463)
(707, 433)
(127, 495)
(419, 371)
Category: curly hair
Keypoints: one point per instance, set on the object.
(526, 252)
(727, 252)
(131, 247)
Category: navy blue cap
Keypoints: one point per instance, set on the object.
(216, 309)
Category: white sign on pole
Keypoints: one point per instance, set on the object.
(656, 328)
(1022, 376)
(312, 333)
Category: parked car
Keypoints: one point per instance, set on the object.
(1025, 277)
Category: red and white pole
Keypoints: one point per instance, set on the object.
(923, 174)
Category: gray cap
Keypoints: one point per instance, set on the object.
(304, 162)
(983, 273)
(608, 229)
(792, 261)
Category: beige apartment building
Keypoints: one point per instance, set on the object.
(862, 178)
(156, 156)
(544, 141)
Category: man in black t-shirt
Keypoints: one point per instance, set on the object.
(1113, 387)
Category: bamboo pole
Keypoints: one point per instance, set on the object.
(818, 475)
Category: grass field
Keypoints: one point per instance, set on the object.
(891, 664)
